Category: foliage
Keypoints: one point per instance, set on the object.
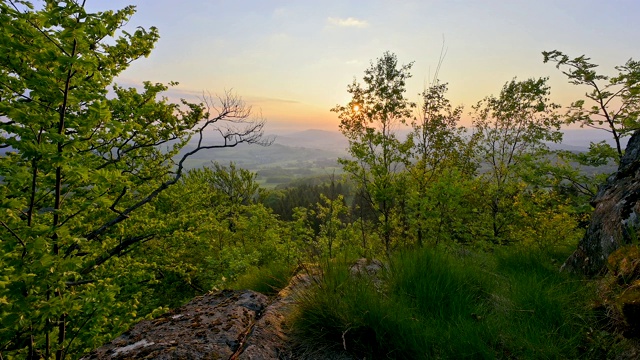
(329, 213)
(438, 141)
(439, 157)
(613, 101)
(304, 194)
(83, 172)
(544, 221)
(509, 127)
(445, 209)
(215, 236)
(572, 177)
(435, 305)
(368, 121)
(269, 279)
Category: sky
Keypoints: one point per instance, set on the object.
(292, 60)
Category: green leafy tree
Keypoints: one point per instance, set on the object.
(82, 171)
(301, 232)
(438, 147)
(331, 212)
(613, 102)
(369, 121)
(438, 140)
(205, 215)
(302, 194)
(238, 188)
(545, 220)
(574, 176)
(509, 128)
(444, 209)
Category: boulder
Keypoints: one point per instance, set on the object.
(615, 220)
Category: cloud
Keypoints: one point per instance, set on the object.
(348, 22)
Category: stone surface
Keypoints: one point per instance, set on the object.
(212, 326)
(269, 338)
(615, 220)
(366, 267)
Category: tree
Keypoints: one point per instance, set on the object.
(209, 237)
(615, 101)
(81, 166)
(330, 212)
(438, 147)
(438, 141)
(369, 122)
(510, 127)
(573, 175)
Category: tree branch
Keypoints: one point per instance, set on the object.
(115, 251)
(40, 30)
(24, 246)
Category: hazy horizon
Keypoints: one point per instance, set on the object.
(580, 137)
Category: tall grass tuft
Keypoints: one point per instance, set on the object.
(432, 304)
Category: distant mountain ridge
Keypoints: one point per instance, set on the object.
(314, 139)
(573, 139)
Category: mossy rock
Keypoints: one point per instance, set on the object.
(624, 264)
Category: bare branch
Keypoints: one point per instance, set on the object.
(231, 108)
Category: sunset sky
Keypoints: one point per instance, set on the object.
(294, 59)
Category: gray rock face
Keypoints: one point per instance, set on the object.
(235, 325)
(615, 221)
(212, 326)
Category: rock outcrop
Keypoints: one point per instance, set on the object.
(615, 220)
(212, 326)
(223, 325)
(269, 338)
(234, 325)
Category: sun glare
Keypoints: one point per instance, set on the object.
(356, 108)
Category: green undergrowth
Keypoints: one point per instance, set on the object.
(268, 279)
(433, 304)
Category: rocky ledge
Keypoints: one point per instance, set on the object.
(222, 325)
(227, 324)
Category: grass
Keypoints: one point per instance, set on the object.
(269, 279)
(507, 304)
